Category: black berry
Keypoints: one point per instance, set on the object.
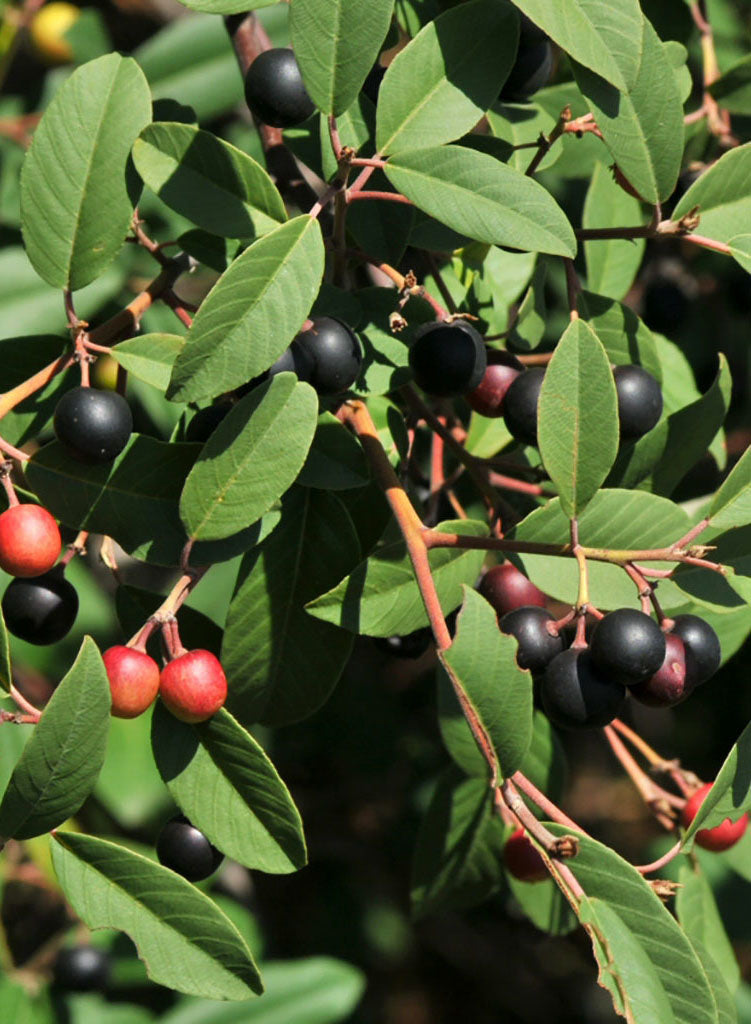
(533, 64)
(334, 353)
(639, 401)
(205, 421)
(487, 398)
(668, 685)
(411, 645)
(628, 645)
(186, 850)
(41, 610)
(94, 426)
(520, 405)
(274, 89)
(81, 969)
(447, 358)
(537, 645)
(703, 652)
(296, 359)
(576, 694)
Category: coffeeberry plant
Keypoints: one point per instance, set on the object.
(376, 510)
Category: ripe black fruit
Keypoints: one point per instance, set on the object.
(94, 426)
(334, 353)
(81, 969)
(274, 89)
(295, 359)
(668, 685)
(576, 694)
(703, 652)
(447, 358)
(186, 850)
(41, 610)
(411, 645)
(205, 421)
(628, 645)
(487, 398)
(533, 64)
(639, 401)
(520, 405)
(537, 645)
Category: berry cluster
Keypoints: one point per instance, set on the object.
(192, 686)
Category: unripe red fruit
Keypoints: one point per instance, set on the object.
(193, 686)
(724, 835)
(507, 589)
(487, 397)
(29, 540)
(522, 859)
(668, 685)
(133, 678)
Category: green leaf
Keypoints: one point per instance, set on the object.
(385, 356)
(727, 1012)
(731, 505)
(602, 36)
(544, 763)
(613, 519)
(730, 795)
(77, 193)
(578, 417)
(212, 183)
(282, 663)
(252, 313)
(60, 763)
(722, 194)
(316, 990)
(458, 858)
(225, 784)
(520, 124)
(611, 263)
(129, 786)
(607, 877)
(625, 337)
(336, 461)
(732, 89)
(134, 500)
(185, 941)
(697, 912)
(443, 81)
(251, 458)
(483, 198)
(740, 250)
(642, 125)
(150, 357)
(625, 969)
(336, 43)
(481, 664)
(381, 597)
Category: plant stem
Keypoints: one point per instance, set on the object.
(34, 713)
(656, 865)
(657, 799)
(545, 805)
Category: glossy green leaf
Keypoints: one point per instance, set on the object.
(282, 663)
(607, 877)
(732, 89)
(602, 36)
(697, 912)
(529, 327)
(458, 858)
(625, 969)
(483, 198)
(134, 500)
(444, 80)
(150, 357)
(315, 990)
(77, 193)
(252, 313)
(60, 763)
(722, 194)
(642, 125)
(336, 43)
(727, 1012)
(481, 664)
(520, 124)
(225, 784)
(611, 263)
(385, 364)
(381, 597)
(730, 795)
(625, 337)
(731, 505)
(185, 941)
(251, 458)
(578, 417)
(613, 519)
(336, 461)
(207, 180)
(226, 6)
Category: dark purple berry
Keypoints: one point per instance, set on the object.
(81, 969)
(186, 850)
(274, 89)
(668, 685)
(447, 358)
(520, 405)
(576, 694)
(703, 652)
(93, 426)
(628, 646)
(487, 398)
(639, 401)
(41, 610)
(334, 352)
(537, 645)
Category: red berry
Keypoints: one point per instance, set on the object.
(722, 836)
(507, 589)
(487, 397)
(134, 680)
(193, 686)
(522, 859)
(29, 540)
